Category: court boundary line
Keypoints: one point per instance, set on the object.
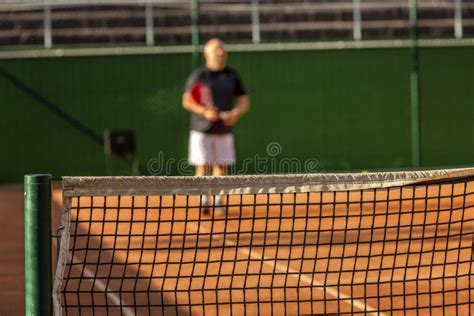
(114, 297)
(100, 285)
(286, 268)
(97, 283)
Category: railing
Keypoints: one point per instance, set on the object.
(162, 22)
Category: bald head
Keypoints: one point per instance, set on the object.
(215, 54)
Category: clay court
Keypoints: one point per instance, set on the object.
(205, 246)
(12, 289)
(385, 251)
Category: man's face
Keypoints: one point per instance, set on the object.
(215, 53)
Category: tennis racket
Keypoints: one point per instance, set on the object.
(202, 95)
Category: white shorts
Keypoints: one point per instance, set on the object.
(211, 149)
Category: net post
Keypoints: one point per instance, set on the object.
(37, 232)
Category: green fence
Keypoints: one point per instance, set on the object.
(337, 109)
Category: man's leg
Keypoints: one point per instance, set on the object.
(199, 156)
(225, 153)
(219, 170)
(203, 170)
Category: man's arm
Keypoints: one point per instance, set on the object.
(190, 105)
(241, 107)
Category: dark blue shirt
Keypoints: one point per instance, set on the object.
(225, 85)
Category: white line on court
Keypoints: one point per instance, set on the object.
(114, 297)
(101, 286)
(408, 278)
(284, 268)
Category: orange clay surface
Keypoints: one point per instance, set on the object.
(263, 268)
(197, 229)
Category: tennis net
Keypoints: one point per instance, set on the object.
(354, 243)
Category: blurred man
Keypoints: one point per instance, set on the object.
(216, 98)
